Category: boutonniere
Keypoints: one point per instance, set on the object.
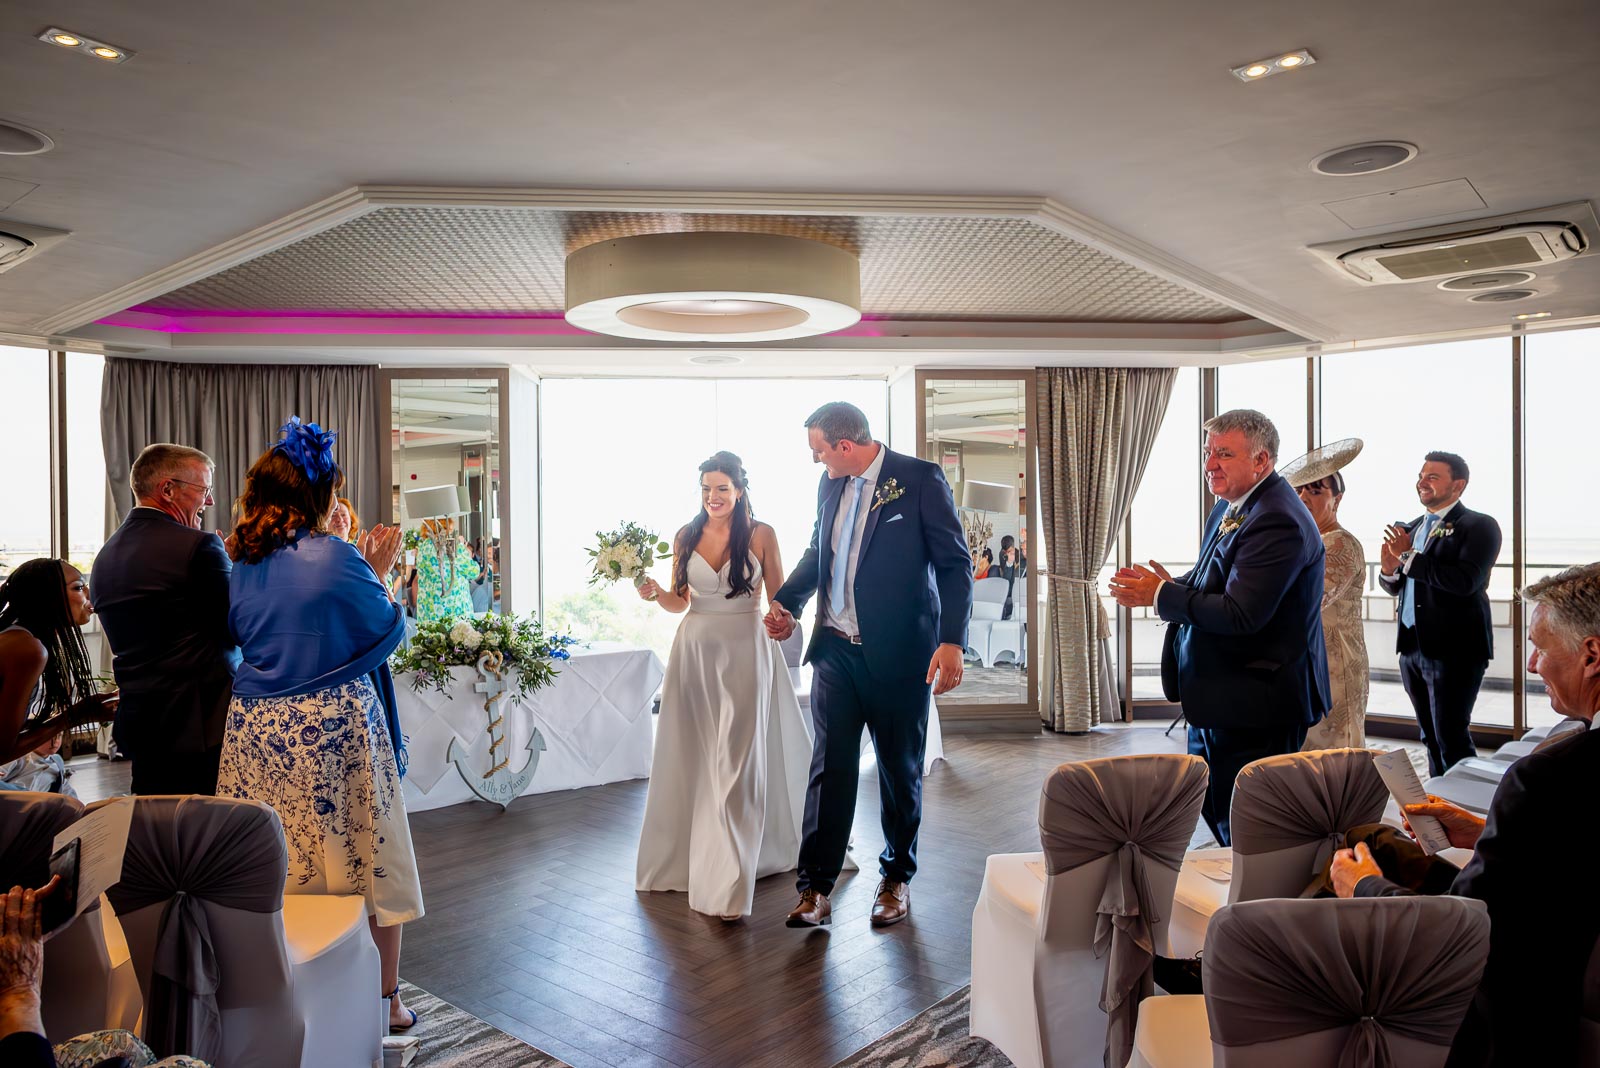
(886, 492)
(1443, 530)
(1231, 522)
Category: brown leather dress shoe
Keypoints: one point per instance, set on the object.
(893, 904)
(813, 911)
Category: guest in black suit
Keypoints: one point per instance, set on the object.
(1530, 868)
(161, 591)
(1244, 652)
(1439, 566)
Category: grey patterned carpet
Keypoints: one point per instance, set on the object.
(452, 1038)
(936, 1037)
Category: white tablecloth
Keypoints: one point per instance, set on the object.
(595, 721)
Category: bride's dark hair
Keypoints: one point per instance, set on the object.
(742, 525)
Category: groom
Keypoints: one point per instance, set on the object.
(890, 562)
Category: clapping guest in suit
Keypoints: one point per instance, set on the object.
(1245, 654)
(161, 591)
(1439, 566)
(1529, 1007)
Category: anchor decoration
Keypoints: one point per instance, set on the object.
(499, 785)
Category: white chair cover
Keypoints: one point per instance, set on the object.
(1380, 982)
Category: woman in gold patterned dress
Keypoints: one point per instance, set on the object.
(1321, 487)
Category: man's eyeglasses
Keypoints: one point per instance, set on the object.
(196, 485)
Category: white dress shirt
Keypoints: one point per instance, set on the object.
(846, 620)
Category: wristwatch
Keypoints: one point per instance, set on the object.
(1405, 557)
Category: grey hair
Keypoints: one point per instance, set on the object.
(841, 421)
(159, 462)
(1258, 429)
(1572, 598)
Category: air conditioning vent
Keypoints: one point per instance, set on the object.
(20, 242)
(1508, 245)
(13, 249)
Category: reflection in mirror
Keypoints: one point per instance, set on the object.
(976, 431)
(445, 464)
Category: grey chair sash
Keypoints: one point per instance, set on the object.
(1140, 809)
(1290, 800)
(184, 851)
(29, 823)
(1282, 967)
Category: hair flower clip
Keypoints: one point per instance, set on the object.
(308, 447)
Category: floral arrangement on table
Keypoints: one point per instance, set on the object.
(627, 553)
(979, 531)
(523, 645)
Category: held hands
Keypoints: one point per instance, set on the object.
(380, 547)
(1460, 826)
(779, 622)
(1135, 587)
(1350, 866)
(945, 669)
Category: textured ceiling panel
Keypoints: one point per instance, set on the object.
(497, 261)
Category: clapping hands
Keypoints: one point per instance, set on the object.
(380, 546)
(779, 622)
(1136, 586)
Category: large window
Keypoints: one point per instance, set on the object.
(1277, 389)
(86, 461)
(1403, 403)
(614, 450)
(25, 442)
(1562, 372)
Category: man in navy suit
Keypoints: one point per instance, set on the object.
(1439, 566)
(1244, 652)
(161, 591)
(890, 561)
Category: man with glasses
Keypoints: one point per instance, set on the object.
(161, 593)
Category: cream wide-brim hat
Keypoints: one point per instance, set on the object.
(1321, 462)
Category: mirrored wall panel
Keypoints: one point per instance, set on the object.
(445, 474)
(976, 430)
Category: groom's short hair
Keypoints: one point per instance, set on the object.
(841, 421)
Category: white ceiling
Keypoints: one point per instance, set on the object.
(232, 116)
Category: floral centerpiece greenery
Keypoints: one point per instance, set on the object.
(523, 644)
(627, 553)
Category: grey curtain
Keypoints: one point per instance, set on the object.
(232, 413)
(1097, 426)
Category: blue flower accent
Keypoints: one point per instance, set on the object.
(323, 806)
(331, 724)
(309, 734)
(308, 447)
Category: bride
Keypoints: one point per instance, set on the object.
(733, 751)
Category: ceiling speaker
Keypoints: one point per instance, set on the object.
(19, 140)
(1370, 158)
(1477, 283)
(1502, 296)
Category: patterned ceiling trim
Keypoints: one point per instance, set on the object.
(511, 261)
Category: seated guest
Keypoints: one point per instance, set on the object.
(343, 521)
(40, 771)
(46, 683)
(161, 590)
(312, 728)
(1528, 1008)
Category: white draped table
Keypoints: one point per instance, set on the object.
(594, 719)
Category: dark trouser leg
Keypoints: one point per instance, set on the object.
(156, 772)
(837, 717)
(897, 716)
(1454, 685)
(1197, 747)
(1227, 751)
(1414, 679)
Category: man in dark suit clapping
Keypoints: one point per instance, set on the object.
(1244, 654)
(1439, 566)
(161, 591)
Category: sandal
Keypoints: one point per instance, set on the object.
(405, 1026)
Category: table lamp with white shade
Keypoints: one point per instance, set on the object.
(439, 502)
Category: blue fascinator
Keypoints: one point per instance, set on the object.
(308, 447)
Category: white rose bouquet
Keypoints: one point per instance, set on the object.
(627, 553)
(441, 644)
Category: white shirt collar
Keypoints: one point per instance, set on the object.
(1238, 505)
(875, 468)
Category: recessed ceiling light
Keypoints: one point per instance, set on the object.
(1531, 315)
(77, 42)
(715, 359)
(1262, 68)
(1368, 158)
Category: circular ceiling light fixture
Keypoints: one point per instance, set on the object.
(19, 140)
(1477, 283)
(713, 286)
(1368, 158)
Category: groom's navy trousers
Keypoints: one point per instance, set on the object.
(845, 697)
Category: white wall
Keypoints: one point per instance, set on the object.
(519, 590)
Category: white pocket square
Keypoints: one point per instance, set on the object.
(895, 518)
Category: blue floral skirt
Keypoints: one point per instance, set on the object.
(324, 762)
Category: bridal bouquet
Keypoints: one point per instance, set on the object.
(627, 553)
(523, 644)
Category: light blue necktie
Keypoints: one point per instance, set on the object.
(1408, 601)
(841, 555)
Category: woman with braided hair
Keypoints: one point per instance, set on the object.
(46, 682)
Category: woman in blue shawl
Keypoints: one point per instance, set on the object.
(312, 727)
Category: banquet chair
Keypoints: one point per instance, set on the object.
(1289, 814)
(988, 604)
(88, 982)
(233, 971)
(1318, 983)
(1056, 935)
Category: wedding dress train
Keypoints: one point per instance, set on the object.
(733, 755)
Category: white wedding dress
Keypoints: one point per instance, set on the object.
(733, 755)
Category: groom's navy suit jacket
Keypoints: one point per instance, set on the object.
(1246, 648)
(913, 587)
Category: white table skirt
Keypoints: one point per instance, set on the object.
(595, 721)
